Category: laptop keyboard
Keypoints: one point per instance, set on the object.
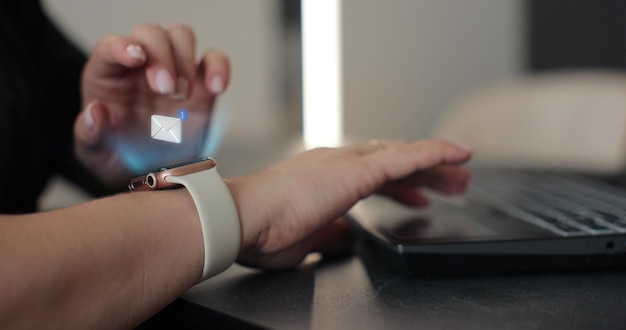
(565, 205)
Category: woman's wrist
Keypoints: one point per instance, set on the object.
(187, 219)
(234, 186)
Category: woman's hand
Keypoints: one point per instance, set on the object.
(147, 248)
(290, 209)
(128, 79)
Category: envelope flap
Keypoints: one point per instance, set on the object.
(166, 128)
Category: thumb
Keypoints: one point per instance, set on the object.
(90, 125)
(91, 129)
(335, 239)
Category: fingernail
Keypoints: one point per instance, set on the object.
(88, 117)
(182, 89)
(164, 82)
(464, 147)
(136, 52)
(217, 85)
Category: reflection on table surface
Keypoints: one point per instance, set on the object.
(362, 292)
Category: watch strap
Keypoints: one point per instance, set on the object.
(221, 229)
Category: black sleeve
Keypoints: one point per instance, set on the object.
(62, 67)
(40, 72)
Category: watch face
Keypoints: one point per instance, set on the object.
(156, 179)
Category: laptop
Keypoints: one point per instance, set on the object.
(508, 221)
(522, 220)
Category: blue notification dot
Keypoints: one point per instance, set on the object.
(182, 114)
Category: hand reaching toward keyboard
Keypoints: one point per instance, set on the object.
(289, 209)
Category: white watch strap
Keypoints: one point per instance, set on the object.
(221, 229)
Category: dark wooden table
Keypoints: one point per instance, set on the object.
(362, 292)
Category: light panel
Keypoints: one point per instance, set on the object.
(322, 80)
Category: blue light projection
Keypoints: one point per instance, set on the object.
(215, 136)
(141, 154)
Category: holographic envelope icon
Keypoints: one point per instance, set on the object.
(166, 128)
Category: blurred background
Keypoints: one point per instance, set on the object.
(406, 63)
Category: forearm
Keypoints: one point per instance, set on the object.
(109, 263)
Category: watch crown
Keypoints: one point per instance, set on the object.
(136, 184)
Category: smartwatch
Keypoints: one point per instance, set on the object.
(221, 229)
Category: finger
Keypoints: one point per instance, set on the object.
(160, 65)
(183, 45)
(372, 146)
(215, 70)
(448, 179)
(407, 195)
(91, 124)
(113, 55)
(334, 239)
(399, 159)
